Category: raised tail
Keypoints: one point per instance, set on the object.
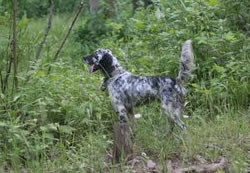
(186, 62)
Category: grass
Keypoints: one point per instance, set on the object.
(226, 136)
(64, 128)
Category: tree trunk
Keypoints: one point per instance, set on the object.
(122, 141)
(14, 43)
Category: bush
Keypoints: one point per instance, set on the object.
(37, 8)
(150, 42)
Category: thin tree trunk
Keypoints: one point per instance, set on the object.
(4, 84)
(1, 80)
(67, 35)
(8, 68)
(93, 5)
(46, 33)
(14, 44)
(38, 52)
(9, 60)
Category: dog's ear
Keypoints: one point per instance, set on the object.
(107, 63)
(107, 59)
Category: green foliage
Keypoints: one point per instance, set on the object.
(62, 122)
(222, 52)
(37, 8)
(237, 13)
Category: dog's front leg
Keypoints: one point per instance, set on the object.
(104, 84)
(120, 110)
(122, 114)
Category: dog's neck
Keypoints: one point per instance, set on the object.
(116, 70)
(112, 68)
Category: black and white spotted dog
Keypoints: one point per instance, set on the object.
(126, 90)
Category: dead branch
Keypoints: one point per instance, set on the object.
(40, 47)
(67, 35)
(202, 168)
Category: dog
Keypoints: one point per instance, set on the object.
(127, 90)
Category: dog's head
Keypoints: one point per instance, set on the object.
(101, 59)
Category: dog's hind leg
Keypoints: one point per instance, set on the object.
(173, 112)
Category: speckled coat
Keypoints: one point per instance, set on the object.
(127, 90)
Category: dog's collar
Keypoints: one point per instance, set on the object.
(116, 76)
(118, 71)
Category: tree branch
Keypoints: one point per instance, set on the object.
(51, 9)
(40, 47)
(67, 35)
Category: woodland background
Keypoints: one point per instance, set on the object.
(54, 117)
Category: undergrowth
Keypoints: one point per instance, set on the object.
(62, 122)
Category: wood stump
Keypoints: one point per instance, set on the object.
(122, 141)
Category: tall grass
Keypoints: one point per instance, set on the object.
(62, 122)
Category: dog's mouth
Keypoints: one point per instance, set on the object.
(93, 68)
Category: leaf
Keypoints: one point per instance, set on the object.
(229, 36)
(3, 124)
(195, 85)
(212, 2)
(40, 74)
(219, 68)
(159, 14)
(2, 96)
(116, 26)
(23, 22)
(54, 78)
(50, 127)
(66, 129)
(16, 98)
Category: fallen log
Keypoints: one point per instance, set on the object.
(201, 168)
